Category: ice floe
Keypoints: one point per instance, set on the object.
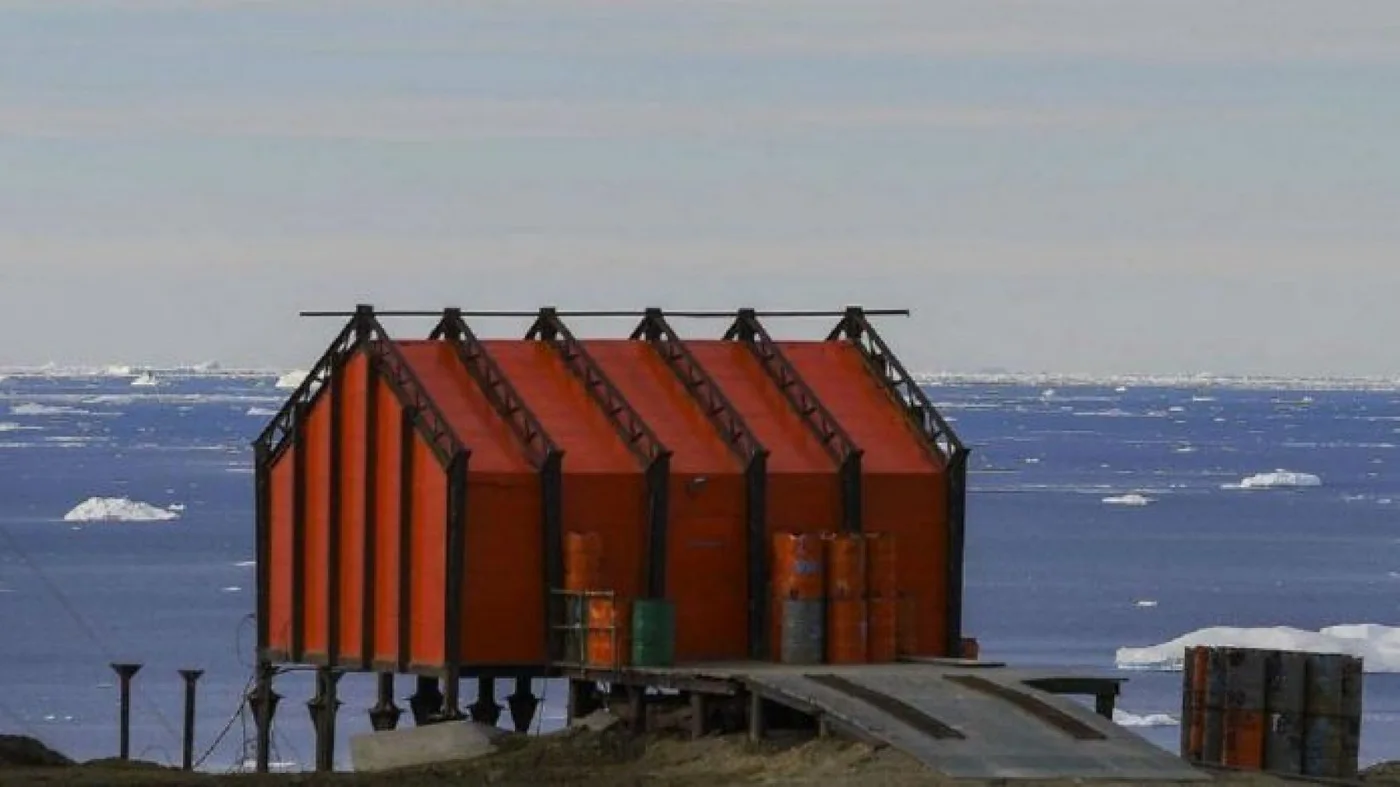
(1377, 645)
(32, 409)
(261, 412)
(291, 380)
(1125, 719)
(119, 509)
(1130, 499)
(1278, 479)
(145, 380)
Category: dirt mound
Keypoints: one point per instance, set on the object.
(18, 751)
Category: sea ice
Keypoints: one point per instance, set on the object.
(291, 380)
(1125, 719)
(1279, 479)
(1377, 645)
(117, 509)
(1131, 499)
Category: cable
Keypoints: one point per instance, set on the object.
(544, 705)
(82, 623)
(237, 714)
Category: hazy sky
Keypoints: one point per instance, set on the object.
(1070, 185)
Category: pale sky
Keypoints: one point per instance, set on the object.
(1050, 185)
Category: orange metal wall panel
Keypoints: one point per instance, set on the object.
(649, 385)
(386, 528)
(503, 611)
(803, 502)
(352, 506)
(316, 451)
(838, 375)
(563, 406)
(279, 577)
(494, 448)
(791, 445)
(915, 508)
(613, 506)
(707, 576)
(428, 541)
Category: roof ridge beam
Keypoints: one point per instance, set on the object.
(641, 441)
(636, 434)
(804, 401)
(736, 434)
(937, 435)
(499, 392)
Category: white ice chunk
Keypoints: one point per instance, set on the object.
(261, 412)
(1130, 499)
(117, 509)
(1279, 479)
(1145, 603)
(1125, 719)
(291, 380)
(1377, 645)
(145, 380)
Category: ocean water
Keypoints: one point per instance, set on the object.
(1054, 575)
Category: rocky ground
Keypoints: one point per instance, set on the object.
(611, 758)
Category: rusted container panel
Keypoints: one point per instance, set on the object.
(428, 576)
(909, 506)
(387, 515)
(280, 573)
(352, 389)
(707, 576)
(1245, 691)
(503, 609)
(315, 446)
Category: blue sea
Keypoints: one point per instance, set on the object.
(1055, 576)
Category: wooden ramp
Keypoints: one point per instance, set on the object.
(962, 721)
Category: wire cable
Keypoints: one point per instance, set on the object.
(83, 625)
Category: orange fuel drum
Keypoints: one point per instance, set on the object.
(883, 620)
(583, 561)
(846, 631)
(881, 575)
(609, 632)
(845, 566)
(799, 570)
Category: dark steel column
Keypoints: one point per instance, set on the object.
(851, 493)
(523, 704)
(426, 702)
(125, 672)
(658, 475)
(485, 710)
(756, 479)
(552, 488)
(323, 707)
(263, 700)
(957, 504)
(190, 676)
(456, 569)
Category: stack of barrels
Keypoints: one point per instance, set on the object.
(835, 598)
(1278, 711)
(604, 630)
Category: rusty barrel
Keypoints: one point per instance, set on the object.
(583, 561)
(1332, 722)
(845, 565)
(609, 632)
(1194, 667)
(1285, 698)
(882, 619)
(801, 630)
(1245, 681)
(799, 567)
(881, 565)
(847, 631)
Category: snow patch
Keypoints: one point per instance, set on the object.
(1131, 499)
(291, 380)
(1377, 645)
(118, 509)
(1279, 479)
(1125, 719)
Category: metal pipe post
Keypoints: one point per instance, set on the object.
(263, 700)
(323, 707)
(125, 672)
(191, 677)
(385, 714)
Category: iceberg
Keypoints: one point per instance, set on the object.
(1125, 719)
(1377, 645)
(118, 509)
(291, 380)
(145, 380)
(1131, 499)
(1279, 479)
